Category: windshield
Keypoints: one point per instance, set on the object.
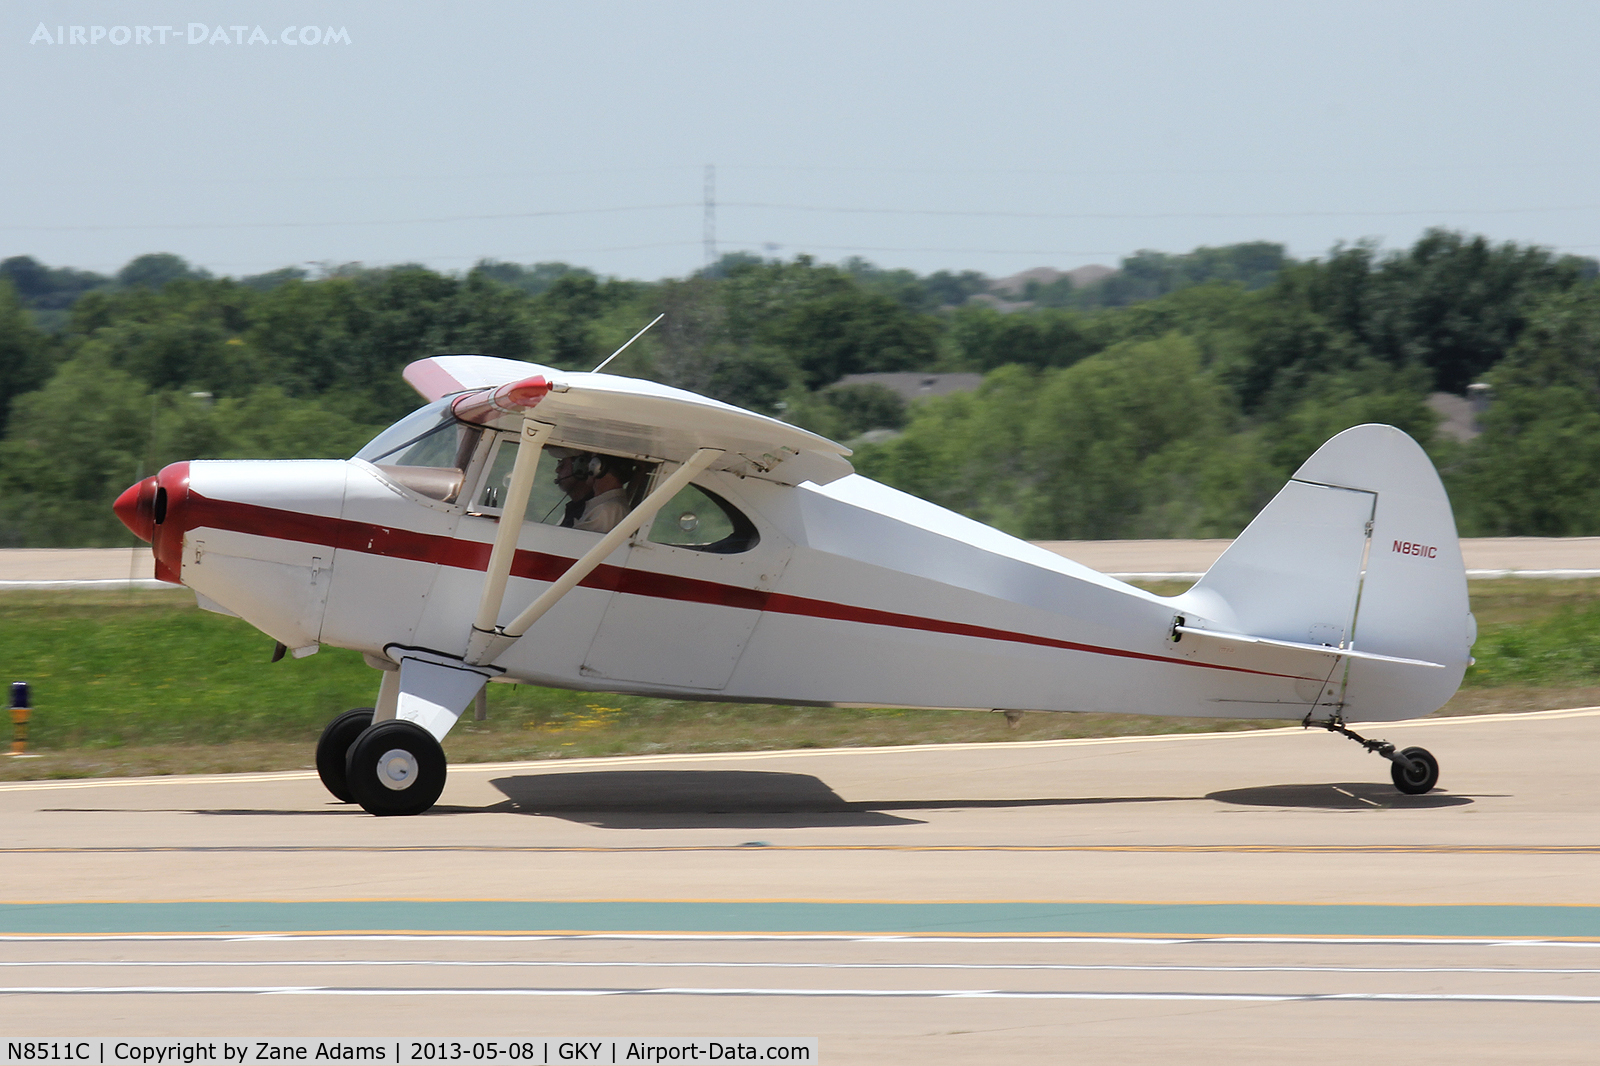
(427, 452)
(409, 430)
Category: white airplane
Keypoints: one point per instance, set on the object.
(750, 563)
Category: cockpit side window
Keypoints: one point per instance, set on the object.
(548, 502)
(700, 520)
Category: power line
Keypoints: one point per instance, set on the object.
(1386, 168)
(708, 205)
(365, 222)
(280, 265)
(752, 245)
(803, 245)
(1153, 215)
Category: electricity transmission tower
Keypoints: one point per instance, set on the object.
(710, 226)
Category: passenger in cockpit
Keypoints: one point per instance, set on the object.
(575, 483)
(598, 487)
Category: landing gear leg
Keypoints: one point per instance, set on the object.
(1413, 770)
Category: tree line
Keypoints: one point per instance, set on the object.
(1171, 398)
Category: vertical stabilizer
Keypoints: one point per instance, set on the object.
(1359, 550)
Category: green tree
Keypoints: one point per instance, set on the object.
(984, 338)
(156, 269)
(845, 330)
(94, 429)
(353, 335)
(843, 412)
(24, 351)
(1535, 471)
(1148, 275)
(70, 449)
(823, 321)
(1123, 432)
(45, 289)
(1333, 402)
(1453, 303)
(1135, 441)
(531, 280)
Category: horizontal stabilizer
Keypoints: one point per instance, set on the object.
(1320, 649)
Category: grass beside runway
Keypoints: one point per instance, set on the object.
(142, 683)
(801, 917)
(136, 683)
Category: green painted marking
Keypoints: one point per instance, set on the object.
(1191, 919)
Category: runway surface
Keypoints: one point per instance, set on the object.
(1238, 898)
(1484, 556)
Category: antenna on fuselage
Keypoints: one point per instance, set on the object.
(631, 339)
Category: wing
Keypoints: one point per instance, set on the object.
(630, 416)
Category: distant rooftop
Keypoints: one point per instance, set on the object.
(910, 386)
(1017, 284)
(1458, 416)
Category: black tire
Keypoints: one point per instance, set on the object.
(1419, 776)
(334, 747)
(395, 767)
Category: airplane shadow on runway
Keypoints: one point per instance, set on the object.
(750, 799)
(709, 799)
(1346, 796)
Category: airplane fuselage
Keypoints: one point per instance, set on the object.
(853, 594)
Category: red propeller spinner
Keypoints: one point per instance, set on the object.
(151, 509)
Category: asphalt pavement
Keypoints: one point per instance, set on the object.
(1239, 898)
(1485, 557)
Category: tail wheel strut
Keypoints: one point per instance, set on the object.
(1413, 770)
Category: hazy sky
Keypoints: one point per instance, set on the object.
(995, 136)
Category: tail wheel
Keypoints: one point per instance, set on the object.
(1419, 773)
(334, 747)
(395, 767)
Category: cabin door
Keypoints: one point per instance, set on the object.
(688, 597)
(680, 618)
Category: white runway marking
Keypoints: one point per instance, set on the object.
(593, 964)
(786, 938)
(812, 993)
(1353, 796)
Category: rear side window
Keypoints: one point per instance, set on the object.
(703, 521)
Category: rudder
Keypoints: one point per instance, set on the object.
(1359, 550)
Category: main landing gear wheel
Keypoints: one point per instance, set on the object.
(334, 748)
(395, 767)
(1419, 775)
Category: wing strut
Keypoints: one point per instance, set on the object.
(513, 514)
(486, 645)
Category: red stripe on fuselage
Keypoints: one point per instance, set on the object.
(393, 543)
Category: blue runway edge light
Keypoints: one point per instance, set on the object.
(500, 916)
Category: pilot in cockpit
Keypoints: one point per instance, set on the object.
(597, 487)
